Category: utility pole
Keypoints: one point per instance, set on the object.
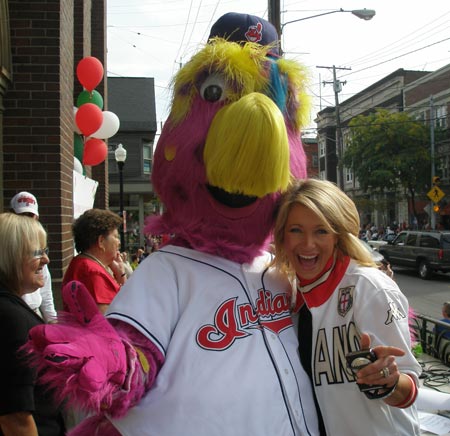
(337, 88)
(275, 18)
(433, 169)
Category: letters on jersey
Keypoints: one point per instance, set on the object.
(235, 321)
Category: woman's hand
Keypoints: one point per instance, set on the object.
(118, 268)
(384, 371)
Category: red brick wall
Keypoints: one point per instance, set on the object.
(311, 149)
(37, 143)
(47, 40)
(423, 91)
(98, 35)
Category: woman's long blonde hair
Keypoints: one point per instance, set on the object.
(333, 207)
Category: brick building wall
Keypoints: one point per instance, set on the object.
(47, 39)
(98, 36)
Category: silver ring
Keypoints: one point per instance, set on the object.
(385, 372)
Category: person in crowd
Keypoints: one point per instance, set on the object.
(99, 265)
(134, 261)
(26, 408)
(442, 332)
(345, 304)
(140, 254)
(385, 266)
(368, 235)
(41, 300)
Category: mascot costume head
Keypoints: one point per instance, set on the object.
(231, 142)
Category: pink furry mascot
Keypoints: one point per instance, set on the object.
(200, 340)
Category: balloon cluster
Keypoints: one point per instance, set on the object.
(92, 125)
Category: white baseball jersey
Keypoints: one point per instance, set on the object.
(364, 301)
(231, 353)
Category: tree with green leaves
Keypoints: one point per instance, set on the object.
(387, 151)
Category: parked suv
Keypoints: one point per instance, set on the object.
(426, 251)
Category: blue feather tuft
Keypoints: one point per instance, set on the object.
(277, 87)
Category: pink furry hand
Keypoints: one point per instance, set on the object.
(82, 355)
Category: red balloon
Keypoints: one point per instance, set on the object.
(95, 152)
(89, 118)
(89, 72)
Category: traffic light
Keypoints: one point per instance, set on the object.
(436, 180)
(436, 208)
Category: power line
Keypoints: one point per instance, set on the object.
(398, 57)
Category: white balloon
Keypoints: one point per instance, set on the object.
(109, 127)
(75, 127)
(77, 165)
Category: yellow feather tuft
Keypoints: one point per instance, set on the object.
(298, 79)
(240, 66)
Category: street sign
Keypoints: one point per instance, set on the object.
(435, 194)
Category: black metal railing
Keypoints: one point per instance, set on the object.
(433, 335)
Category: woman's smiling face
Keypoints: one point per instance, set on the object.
(32, 272)
(308, 242)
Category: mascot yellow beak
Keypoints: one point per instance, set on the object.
(247, 149)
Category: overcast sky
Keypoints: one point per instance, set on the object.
(151, 38)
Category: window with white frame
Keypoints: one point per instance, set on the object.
(421, 116)
(322, 147)
(315, 160)
(348, 175)
(444, 166)
(147, 156)
(441, 117)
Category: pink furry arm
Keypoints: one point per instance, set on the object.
(87, 362)
(139, 382)
(145, 361)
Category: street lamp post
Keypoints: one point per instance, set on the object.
(364, 14)
(121, 156)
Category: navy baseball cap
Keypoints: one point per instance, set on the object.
(237, 27)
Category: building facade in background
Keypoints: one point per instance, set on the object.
(401, 90)
(132, 99)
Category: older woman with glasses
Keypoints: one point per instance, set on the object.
(26, 408)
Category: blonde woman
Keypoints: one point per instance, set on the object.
(26, 408)
(345, 303)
